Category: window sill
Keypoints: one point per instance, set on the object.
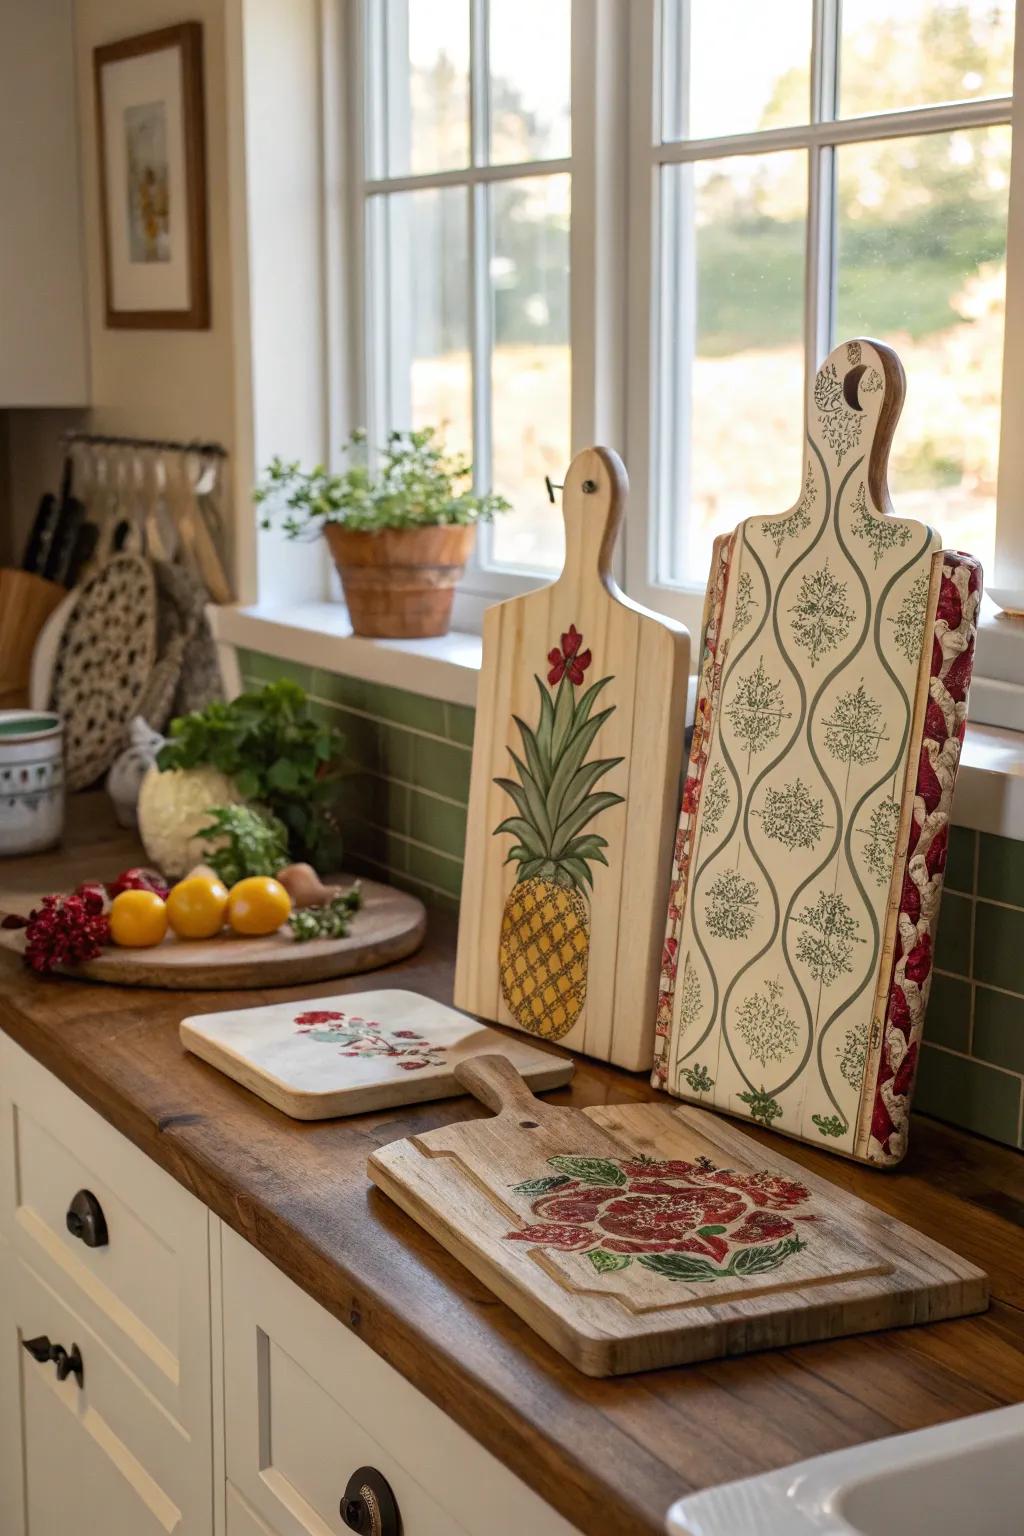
(990, 784)
(320, 635)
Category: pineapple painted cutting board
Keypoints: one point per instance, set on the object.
(637, 1235)
(333, 1056)
(576, 760)
(832, 698)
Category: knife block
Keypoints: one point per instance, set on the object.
(26, 602)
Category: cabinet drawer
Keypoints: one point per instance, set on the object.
(145, 1291)
(100, 1450)
(241, 1519)
(307, 1403)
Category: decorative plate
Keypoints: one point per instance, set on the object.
(106, 653)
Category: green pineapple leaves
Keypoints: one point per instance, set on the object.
(555, 792)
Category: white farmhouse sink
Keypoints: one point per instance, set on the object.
(960, 1479)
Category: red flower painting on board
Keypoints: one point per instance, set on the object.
(570, 661)
(362, 1038)
(682, 1220)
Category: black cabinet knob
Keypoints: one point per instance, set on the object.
(85, 1220)
(67, 1364)
(368, 1505)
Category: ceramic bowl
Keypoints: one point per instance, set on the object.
(31, 781)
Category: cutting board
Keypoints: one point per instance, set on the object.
(576, 759)
(389, 925)
(832, 698)
(346, 1055)
(637, 1235)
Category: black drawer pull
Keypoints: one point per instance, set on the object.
(85, 1219)
(368, 1505)
(67, 1365)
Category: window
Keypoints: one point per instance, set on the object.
(844, 172)
(645, 222)
(465, 205)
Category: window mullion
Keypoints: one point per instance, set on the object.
(481, 315)
(1009, 553)
(820, 268)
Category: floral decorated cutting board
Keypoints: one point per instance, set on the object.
(837, 652)
(334, 1056)
(576, 758)
(637, 1235)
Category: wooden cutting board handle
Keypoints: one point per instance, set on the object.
(495, 1082)
(593, 501)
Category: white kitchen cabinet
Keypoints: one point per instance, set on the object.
(130, 1451)
(307, 1403)
(149, 1444)
(43, 359)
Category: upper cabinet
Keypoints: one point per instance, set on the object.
(43, 358)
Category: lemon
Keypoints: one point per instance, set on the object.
(138, 919)
(258, 905)
(197, 906)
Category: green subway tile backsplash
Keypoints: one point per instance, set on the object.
(949, 1012)
(403, 812)
(999, 1029)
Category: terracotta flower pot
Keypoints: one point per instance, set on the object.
(399, 583)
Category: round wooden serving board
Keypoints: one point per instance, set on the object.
(389, 926)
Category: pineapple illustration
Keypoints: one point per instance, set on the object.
(545, 926)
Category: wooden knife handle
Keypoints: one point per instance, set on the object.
(495, 1082)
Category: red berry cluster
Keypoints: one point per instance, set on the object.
(138, 880)
(66, 929)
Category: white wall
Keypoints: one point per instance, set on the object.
(155, 383)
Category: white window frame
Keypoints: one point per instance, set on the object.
(820, 137)
(596, 165)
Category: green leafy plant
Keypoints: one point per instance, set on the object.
(278, 755)
(332, 921)
(414, 483)
(256, 844)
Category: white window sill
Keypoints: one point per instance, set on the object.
(990, 784)
(320, 635)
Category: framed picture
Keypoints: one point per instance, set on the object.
(152, 154)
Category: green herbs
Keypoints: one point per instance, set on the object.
(255, 844)
(279, 756)
(330, 922)
(415, 483)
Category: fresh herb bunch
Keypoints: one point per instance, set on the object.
(278, 755)
(330, 922)
(257, 844)
(416, 483)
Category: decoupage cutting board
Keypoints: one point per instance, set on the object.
(634, 1236)
(334, 1056)
(576, 759)
(837, 652)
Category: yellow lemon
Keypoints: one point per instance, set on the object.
(197, 906)
(138, 919)
(258, 905)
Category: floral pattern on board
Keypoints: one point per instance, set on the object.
(681, 1220)
(953, 639)
(363, 1038)
(710, 682)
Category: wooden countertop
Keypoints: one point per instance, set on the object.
(610, 1455)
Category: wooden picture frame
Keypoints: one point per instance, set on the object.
(151, 145)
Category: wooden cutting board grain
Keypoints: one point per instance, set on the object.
(389, 925)
(362, 1051)
(635, 1236)
(576, 758)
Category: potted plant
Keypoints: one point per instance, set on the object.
(399, 531)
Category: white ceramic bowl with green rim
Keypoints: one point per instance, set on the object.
(31, 780)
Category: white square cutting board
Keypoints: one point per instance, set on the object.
(332, 1056)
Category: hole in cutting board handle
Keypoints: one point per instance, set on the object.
(528, 1125)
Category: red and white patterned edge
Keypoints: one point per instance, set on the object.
(953, 639)
(708, 685)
